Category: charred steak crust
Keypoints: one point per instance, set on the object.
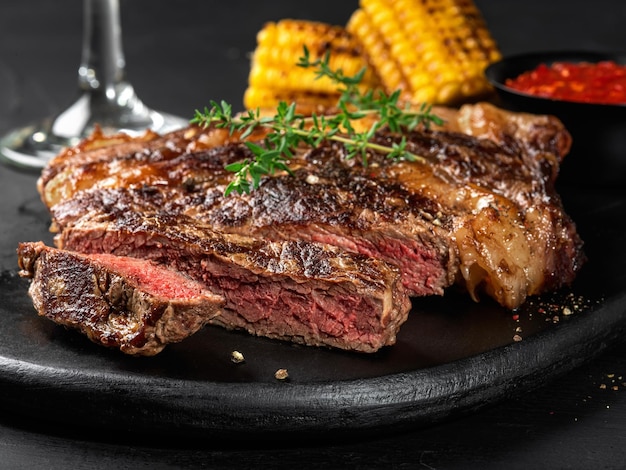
(130, 304)
(483, 213)
(330, 254)
(292, 290)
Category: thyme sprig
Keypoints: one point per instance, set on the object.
(287, 129)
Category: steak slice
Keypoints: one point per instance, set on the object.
(303, 292)
(132, 304)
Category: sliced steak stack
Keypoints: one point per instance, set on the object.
(480, 212)
(302, 292)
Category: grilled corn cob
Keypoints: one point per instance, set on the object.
(274, 75)
(435, 51)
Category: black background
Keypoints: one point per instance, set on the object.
(179, 56)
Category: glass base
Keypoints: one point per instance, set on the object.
(31, 147)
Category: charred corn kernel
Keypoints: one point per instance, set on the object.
(378, 58)
(274, 73)
(439, 47)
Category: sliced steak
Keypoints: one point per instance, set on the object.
(132, 304)
(482, 213)
(291, 290)
(329, 253)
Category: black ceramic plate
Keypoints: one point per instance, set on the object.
(452, 356)
(598, 155)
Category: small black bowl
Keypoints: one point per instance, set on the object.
(598, 154)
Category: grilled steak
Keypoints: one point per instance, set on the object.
(329, 254)
(128, 303)
(482, 212)
(298, 291)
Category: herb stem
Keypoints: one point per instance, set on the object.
(288, 129)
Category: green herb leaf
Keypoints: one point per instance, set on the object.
(287, 130)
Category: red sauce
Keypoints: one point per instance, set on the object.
(602, 82)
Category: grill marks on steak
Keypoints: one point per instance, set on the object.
(496, 225)
(284, 209)
(484, 215)
(334, 204)
(292, 290)
(132, 304)
(482, 212)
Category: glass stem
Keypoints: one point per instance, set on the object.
(102, 66)
(107, 99)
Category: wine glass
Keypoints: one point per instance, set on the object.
(106, 99)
